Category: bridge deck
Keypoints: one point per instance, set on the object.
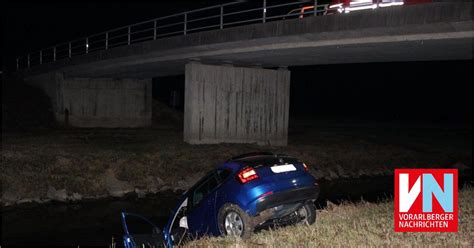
(436, 31)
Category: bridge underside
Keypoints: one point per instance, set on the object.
(424, 32)
(427, 47)
(216, 110)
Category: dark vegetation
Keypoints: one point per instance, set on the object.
(25, 107)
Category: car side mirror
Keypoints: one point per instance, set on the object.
(183, 222)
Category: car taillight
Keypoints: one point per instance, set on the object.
(246, 175)
(305, 167)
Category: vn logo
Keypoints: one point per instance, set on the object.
(426, 200)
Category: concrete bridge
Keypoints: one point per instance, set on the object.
(237, 81)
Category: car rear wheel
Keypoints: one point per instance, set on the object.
(233, 221)
(307, 213)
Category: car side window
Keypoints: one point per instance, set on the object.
(204, 189)
(222, 175)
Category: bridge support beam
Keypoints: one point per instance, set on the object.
(97, 102)
(228, 104)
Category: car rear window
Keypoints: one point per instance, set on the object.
(222, 174)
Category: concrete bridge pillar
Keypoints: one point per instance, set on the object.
(97, 102)
(229, 104)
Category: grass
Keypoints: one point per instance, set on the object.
(77, 159)
(356, 225)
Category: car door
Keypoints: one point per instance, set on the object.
(139, 232)
(201, 206)
(176, 230)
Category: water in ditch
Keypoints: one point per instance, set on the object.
(96, 222)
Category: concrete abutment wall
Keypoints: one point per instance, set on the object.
(228, 104)
(97, 102)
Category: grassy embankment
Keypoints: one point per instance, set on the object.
(355, 225)
(157, 159)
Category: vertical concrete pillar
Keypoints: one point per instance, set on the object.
(106, 102)
(228, 104)
(98, 102)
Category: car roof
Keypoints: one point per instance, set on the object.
(251, 154)
(262, 158)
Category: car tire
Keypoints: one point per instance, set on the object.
(309, 211)
(234, 212)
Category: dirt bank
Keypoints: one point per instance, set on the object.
(71, 165)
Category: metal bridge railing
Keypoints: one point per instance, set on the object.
(203, 19)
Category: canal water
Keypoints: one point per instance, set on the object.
(97, 222)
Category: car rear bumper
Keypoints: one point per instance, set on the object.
(288, 196)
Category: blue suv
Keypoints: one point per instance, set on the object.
(247, 192)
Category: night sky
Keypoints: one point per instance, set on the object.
(428, 91)
(31, 25)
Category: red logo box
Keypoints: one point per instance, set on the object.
(426, 200)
